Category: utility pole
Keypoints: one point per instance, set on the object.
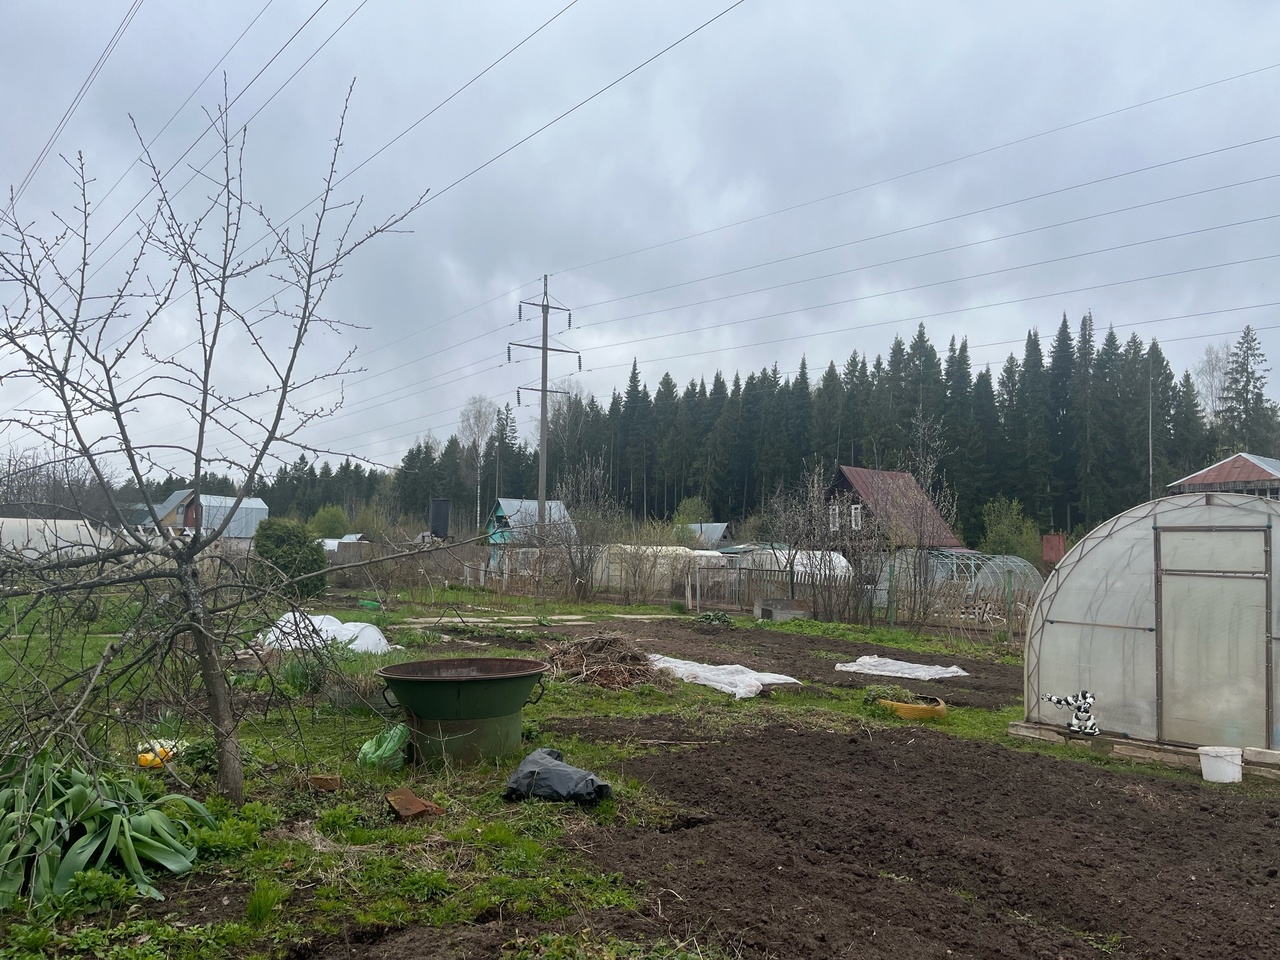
(546, 349)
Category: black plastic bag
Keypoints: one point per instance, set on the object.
(545, 775)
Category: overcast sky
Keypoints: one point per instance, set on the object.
(796, 179)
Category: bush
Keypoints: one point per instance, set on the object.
(1009, 532)
(329, 523)
(283, 552)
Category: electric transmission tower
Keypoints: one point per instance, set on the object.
(546, 306)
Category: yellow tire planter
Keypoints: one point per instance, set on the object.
(926, 708)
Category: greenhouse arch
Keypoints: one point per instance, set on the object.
(1166, 615)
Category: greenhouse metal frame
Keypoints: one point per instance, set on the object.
(1165, 615)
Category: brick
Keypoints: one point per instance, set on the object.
(408, 806)
(328, 782)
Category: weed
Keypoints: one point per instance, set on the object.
(887, 691)
(266, 895)
(1105, 942)
(94, 891)
(338, 821)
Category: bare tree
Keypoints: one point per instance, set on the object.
(108, 369)
(475, 426)
(647, 560)
(1211, 379)
(37, 482)
(832, 550)
(578, 543)
(924, 522)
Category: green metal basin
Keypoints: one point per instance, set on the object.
(464, 709)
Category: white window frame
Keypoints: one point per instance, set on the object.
(855, 517)
(833, 517)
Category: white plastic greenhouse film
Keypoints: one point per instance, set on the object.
(1203, 550)
(1213, 659)
(1117, 665)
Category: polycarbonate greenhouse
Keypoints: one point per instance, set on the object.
(987, 573)
(1165, 614)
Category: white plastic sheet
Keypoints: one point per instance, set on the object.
(732, 678)
(296, 631)
(886, 667)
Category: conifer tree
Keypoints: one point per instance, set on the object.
(1249, 420)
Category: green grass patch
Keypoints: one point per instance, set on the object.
(931, 644)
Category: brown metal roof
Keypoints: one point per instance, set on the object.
(1240, 468)
(908, 516)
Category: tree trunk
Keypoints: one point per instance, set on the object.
(221, 718)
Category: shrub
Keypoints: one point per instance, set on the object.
(284, 552)
(330, 522)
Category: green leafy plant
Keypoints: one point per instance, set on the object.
(92, 891)
(57, 819)
(718, 617)
(303, 675)
(887, 691)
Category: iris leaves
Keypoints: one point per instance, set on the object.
(57, 819)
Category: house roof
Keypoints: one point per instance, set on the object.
(244, 521)
(1237, 468)
(908, 517)
(521, 516)
(707, 534)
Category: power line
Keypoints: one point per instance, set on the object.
(75, 103)
(925, 316)
(439, 351)
(973, 213)
(190, 96)
(1121, 326)
(581, 103)
(935, 252)
(665, 336)
(925, 169)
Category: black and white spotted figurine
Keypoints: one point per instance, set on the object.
(1082, 720)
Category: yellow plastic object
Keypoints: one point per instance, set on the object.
(153, 761)
(931, 709)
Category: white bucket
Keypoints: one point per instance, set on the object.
(1221, 764)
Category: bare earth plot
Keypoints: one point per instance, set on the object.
(792, 843)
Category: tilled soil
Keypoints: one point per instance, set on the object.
(909, 843)
(906, 843)
(808, 658)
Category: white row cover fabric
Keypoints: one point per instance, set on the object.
(297, 631)
(731, 678)
(887, 667)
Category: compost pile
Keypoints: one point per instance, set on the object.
(607, 659)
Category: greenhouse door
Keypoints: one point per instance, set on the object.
(1212, 619)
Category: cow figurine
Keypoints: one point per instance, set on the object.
(1082, 720)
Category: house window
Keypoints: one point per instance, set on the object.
(855, 516)
(833, 517)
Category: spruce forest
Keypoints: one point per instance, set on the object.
(1076, 430)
